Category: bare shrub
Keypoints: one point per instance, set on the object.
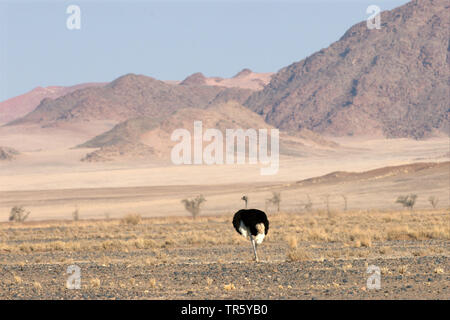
(18, 214)
(152, 283)
(193, 205)
(327, 204)
(433, 201)
(345, 201)
(407, 201)
(275, 200)
(308, 206)
(76, 214)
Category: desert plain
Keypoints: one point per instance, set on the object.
(133, 239)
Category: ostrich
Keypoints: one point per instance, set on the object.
(253, 224)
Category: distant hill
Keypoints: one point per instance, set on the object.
(375, 174)
(127, 97)
(19, 106)
(147, 138)
(245, 79)
(391, 82)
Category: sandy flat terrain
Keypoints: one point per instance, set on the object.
(52, 183)
(318, 253)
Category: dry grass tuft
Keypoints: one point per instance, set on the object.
(439, 270)
(402, 269)
(132, 219)
(229, 287)
(152, 283)
(292, 242)
(37, 286)
(385, 271)
(297, 255)
(95, 283)
(385, 250)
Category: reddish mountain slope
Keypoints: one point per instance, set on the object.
(127, 97)
(19, 106)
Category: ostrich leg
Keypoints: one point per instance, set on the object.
(254, 248)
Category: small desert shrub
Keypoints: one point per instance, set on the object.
(292, 242)
(95, 283)
(294, 253)
(399, 233)
(385, 250)
(152, 283)
(132, 219)
(317, 234)
(18, 279)
(385, 271)
(141, 243)
(407, 201)
(76, 215)
(360, 238)
(433, 201)
(229, 287)
(366, 242)
(402, 269)
(193, 205)
(346, 267)
(439, 270)
(297, 255)
(345, 201)
(327, 204)
(275, 200)
(56, 246)
(419, 253)
(18, 214)
(308, 206)
(37, 286)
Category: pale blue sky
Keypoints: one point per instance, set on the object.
(168, 40)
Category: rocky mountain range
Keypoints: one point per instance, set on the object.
(127, 97)
(392, 81)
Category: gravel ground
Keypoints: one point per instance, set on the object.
(401, 278)
(303, 257)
